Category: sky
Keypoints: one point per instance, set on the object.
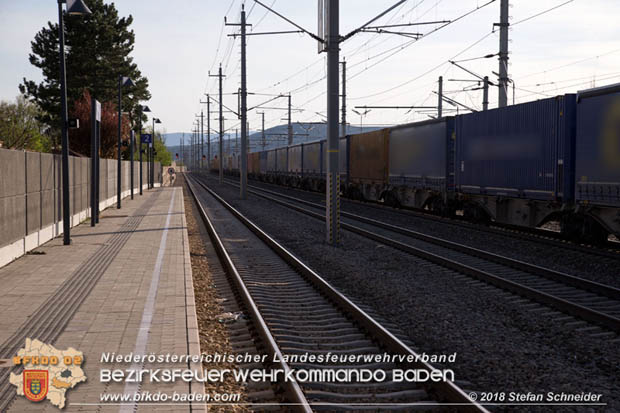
(573, 47)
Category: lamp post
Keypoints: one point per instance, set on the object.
(131, 143)
(77, 7)
(122, 81)
(143, 109)
(362, 114)
(152, 153)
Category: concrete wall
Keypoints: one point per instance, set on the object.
(31, 196)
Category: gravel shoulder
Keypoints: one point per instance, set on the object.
(501, 346)
(214, 337)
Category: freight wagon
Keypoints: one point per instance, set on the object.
(421, 166)
(555, 159)
(294, 165)
(254, 165)
(368, 170)
(597, 164)
(312, 166)
(514, 164)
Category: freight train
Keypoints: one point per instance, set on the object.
(556, 159)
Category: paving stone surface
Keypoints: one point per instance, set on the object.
(142, 303)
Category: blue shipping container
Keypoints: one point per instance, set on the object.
(522, 151)
(597, 163)
(422, 155)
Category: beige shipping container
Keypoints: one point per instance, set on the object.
(312, 158)
(369, 157)
(294, 160)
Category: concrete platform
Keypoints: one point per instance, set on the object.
(122, 287)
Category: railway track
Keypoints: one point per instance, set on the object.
(241, 334)
(610, 250)
(589, 301)
(296, 312)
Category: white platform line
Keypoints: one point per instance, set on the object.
(149, 307)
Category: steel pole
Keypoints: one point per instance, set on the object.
(93, 161)
(243, 164)
(147, 153)
(221, 131)
(132, 136)
(140, 148)
(290, 122)
(208, 132)
(485, 93)
(66, 211)
(332, 212)
(344, 97)
(503, 54)
(440, 96)
(152, 157)
(263, 126)
(202, 139)
(191, 147)
(97, 168)
(118, 161)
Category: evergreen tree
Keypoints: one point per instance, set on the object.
(98, 49)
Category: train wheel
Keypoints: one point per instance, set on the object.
(583, 228)
(355, 193)
(390, 199)
(475, 214)
(438, 207)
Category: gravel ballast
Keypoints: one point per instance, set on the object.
(214, 337)
(502, 346)
(581, 264)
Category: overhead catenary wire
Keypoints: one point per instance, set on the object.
(458, 54)
(541, 13)
(323, 77)
(310, 85)
(399, 48)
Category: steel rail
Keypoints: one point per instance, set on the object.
(291, 388)
(588, 285)
(585, 313)
(610, 250)
(442, 390)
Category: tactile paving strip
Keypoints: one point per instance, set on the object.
(51, 318)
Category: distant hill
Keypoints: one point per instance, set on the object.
(274, 137)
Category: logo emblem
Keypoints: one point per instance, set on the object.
(35, 384)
